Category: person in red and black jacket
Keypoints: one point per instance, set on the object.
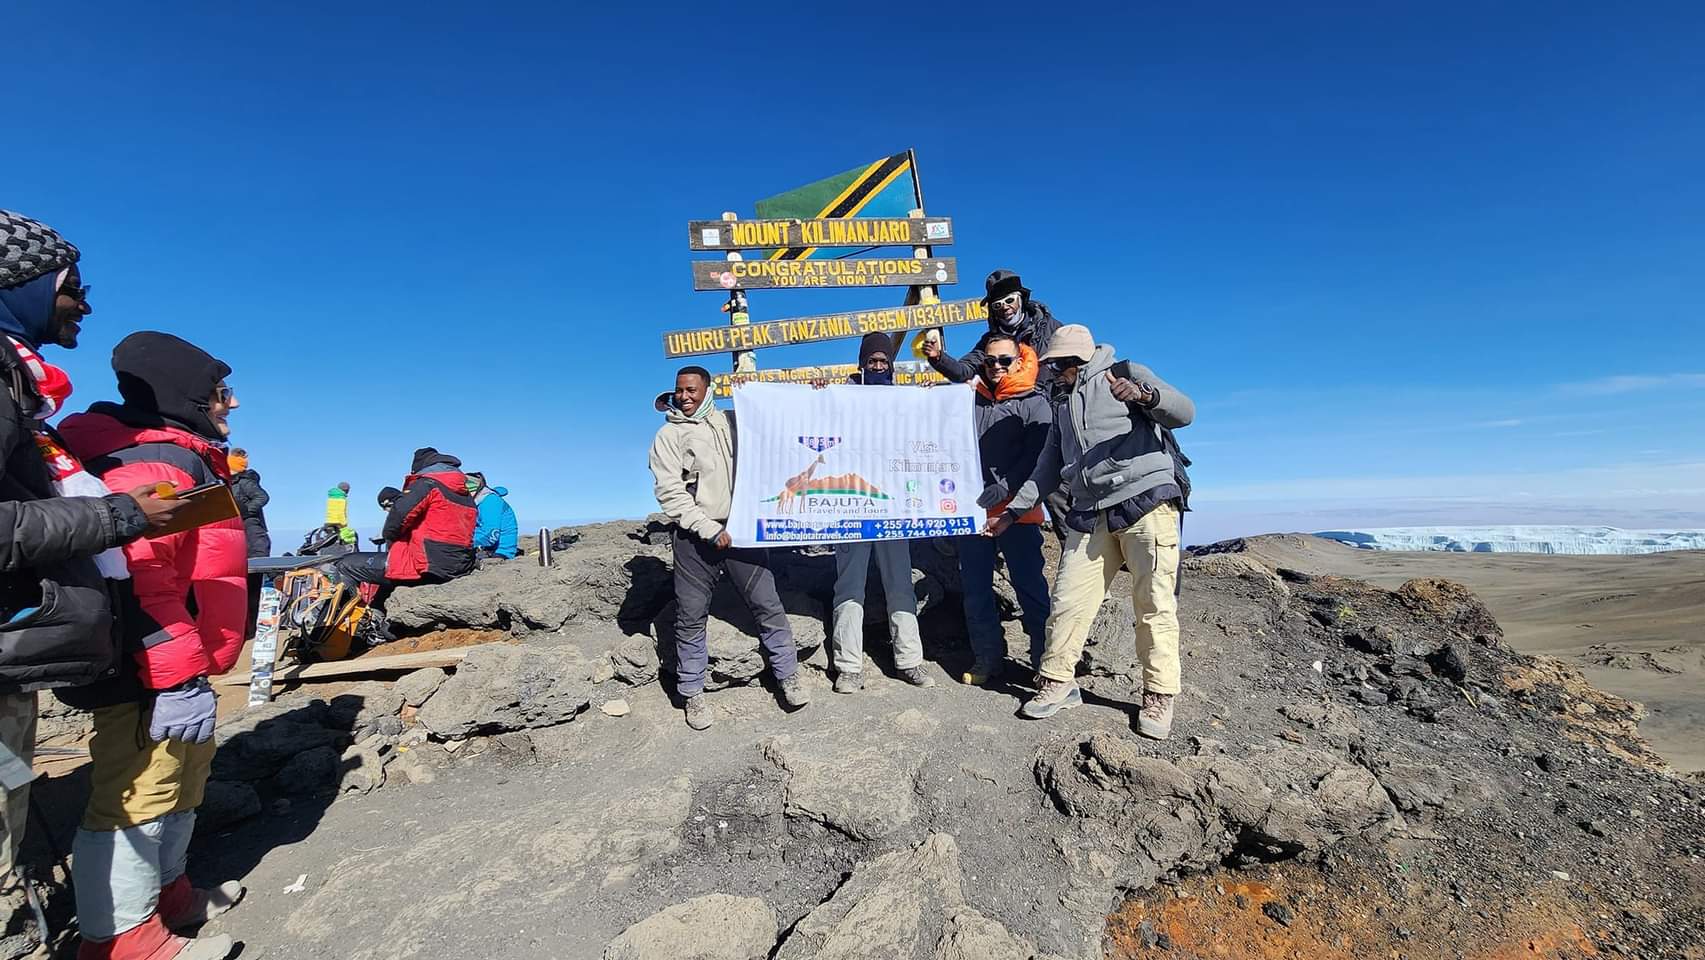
(429, 530)
(153, 744)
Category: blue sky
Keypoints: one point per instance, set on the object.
(1415, 262)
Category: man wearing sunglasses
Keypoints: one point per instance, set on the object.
(1013, 419)
(1012, 313)
(1111, 444)
(60, 529)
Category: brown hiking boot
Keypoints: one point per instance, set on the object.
(916, 676)
(698, 712)
(1155, 719)
(794, 692)
(1054, 696)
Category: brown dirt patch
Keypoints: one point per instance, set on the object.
(436, 640)
(1347, 913)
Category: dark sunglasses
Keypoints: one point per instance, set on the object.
(1003, 361)
(223, 393)
(77, 293)
(1064, 363)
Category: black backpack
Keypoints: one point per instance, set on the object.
(1180, 462)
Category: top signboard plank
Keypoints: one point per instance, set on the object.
(807, 234)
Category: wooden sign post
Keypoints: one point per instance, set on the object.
(820, 250)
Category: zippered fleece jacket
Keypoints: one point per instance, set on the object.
(1106, 450)
(692, 463)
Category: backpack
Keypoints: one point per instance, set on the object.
(1180, 462)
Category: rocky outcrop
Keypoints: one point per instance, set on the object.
(713, 927)
(908, 904)
(864, 793)
(502, 687)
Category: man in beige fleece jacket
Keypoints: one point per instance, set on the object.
(692, 462)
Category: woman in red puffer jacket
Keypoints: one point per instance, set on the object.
(152, 750)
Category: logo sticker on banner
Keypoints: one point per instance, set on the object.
(845, 463)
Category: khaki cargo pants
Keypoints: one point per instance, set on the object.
(17, 746)
(1088, 564)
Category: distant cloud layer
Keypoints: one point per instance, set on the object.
(1636, 383)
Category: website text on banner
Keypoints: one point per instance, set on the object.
(852, 462)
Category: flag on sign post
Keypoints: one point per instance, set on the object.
(886, 188)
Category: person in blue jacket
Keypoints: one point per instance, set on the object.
(496, 531)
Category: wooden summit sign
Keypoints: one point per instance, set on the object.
(829, 326)
(906, 374)
(809, 234)
(766, 274)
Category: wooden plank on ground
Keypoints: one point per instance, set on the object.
(831, 274)
(358, 667)
(846, 232)
(828, 326)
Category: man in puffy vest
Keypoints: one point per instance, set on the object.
(1111, 444)
(252, 499)
(60, 528)
(153, 746)
(429, 531)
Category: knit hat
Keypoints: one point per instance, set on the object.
(169, 376)
(875, 343)
(1000, 283)
(1072, 340)
(30, 249)
(427, 456)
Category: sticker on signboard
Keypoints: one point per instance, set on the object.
(728, 280)
(710, 237)
(941, 276)
(935, 231)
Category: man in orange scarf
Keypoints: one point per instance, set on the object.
(1012, 419)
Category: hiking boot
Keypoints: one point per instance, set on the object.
(183, 907)
(1054, 696)
(916, 676)
(849, 682)
(980, 674)
(794, 692)
(698, 712)
(1155, 719)
(150, 940)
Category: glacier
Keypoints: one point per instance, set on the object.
(1521, 539)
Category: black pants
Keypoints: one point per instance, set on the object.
(697, 566)
(358, 568)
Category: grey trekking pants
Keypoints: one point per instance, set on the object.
(852, 568)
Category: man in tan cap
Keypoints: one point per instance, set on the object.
(1111, 443)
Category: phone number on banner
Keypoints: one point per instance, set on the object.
(907, 528)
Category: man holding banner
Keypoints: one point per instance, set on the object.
(1111, 443)
(692, 464)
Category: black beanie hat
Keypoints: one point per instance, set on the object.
(29, 249)
(427, 456)
(875, 343)
(169, 376)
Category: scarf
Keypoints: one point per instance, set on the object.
(705, 407)
(69, 477)
(1020, 378)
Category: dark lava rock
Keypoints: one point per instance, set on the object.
(1278, 913)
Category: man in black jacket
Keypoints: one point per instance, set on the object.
(59, 527)
(252, 499)
(1012, 313)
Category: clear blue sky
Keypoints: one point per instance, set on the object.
(1414, 261)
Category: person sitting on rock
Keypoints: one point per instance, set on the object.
(497, 532)
(153, 743)
(692, 464)
(429, 530)
(893, 564)
(1012, 420)
(1111, 443)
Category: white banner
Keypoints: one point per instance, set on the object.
(851, 462)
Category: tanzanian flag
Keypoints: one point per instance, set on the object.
(886, 188)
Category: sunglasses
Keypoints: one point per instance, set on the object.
(79, 293)
(1064, 363)
(1010, 299)
(1001, 360)
(223, 393)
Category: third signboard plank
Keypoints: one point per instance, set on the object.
(769, 274)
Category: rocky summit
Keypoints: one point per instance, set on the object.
(1354, 772)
